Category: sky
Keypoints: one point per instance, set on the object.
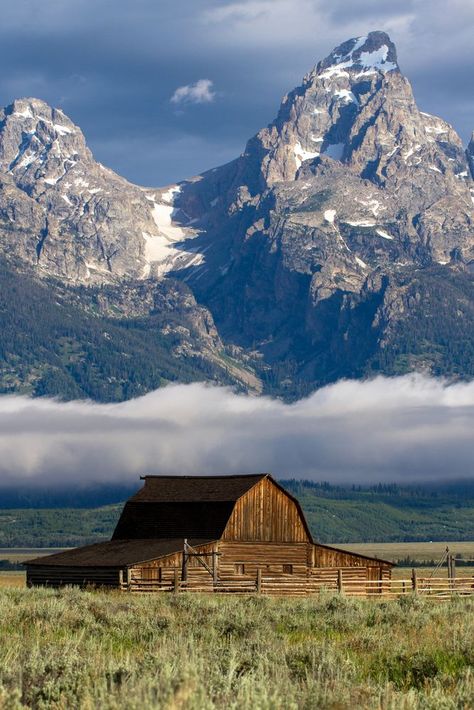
(407, 429)
(164, 89)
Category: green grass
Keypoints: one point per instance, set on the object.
(72, 649)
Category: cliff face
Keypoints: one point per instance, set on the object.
(347, 195)
(339, 243)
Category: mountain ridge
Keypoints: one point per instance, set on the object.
(339, 233)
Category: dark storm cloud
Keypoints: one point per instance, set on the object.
(113, 66)
(402, 429)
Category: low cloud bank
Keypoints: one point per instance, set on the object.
(403, 429)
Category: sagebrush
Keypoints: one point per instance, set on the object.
(76, 649)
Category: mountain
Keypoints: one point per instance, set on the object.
(84, 308)
(339, 244)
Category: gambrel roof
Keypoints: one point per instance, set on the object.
(182, 506)
(193, 489)
(187, 506)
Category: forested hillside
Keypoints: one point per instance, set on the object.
(383, 513)
(59, 346)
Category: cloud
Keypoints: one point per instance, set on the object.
(198, 93)
(403, 429)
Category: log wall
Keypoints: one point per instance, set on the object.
(78, 576)
(240, 560)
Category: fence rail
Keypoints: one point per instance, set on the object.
(435, 587)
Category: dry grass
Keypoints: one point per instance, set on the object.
(21, 555)
(416, 550)
(72, 649)
(405, 572)
(12, 579)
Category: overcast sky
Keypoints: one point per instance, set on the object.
(164, 89)
(409, 429)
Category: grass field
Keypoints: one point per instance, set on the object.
(12, 579)
(416, 550)
(420, 552)
(21, 554)
(73, 649)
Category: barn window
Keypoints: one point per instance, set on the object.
(287, 569)
(240, 568)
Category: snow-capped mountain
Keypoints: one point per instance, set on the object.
(343, 230)
(75, 218)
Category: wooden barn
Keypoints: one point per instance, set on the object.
(210, 533)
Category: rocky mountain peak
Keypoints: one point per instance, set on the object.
(53, 190)
(39, 145)
(368, 54)
(356, 109)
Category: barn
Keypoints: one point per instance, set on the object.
(210, 533)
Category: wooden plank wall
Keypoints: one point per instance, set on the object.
(328, 557)
(79, 576)
(164, 568)
(268, 557)
(265, 514)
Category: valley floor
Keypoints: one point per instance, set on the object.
(73, 649)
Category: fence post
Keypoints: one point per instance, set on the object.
(176, 581)
(414, 581)
(340, 587)
(259, 581)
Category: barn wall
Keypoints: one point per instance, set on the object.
(265, 514)
(241, 560)
(163, 569)
(79, 576)
(329, 557)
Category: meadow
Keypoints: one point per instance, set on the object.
(419, 554)
(90, 649)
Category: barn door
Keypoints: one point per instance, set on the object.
(201, 557)
(374, 574)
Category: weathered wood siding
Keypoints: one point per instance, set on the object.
(78, 576)
(163, 569)
(241, 560)
(330, 557)
(265, 514)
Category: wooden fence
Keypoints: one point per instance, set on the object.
(434, 587)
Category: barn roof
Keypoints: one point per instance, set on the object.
(116, 553)
(183, 506)
(187, 489)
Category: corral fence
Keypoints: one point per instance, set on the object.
(434, 587)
